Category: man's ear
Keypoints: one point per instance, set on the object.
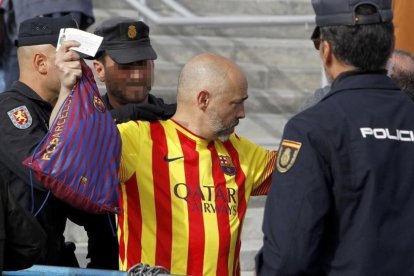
(100, 70)
(40, 63)
(326, 53)
(203, 99)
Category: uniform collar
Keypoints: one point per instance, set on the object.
(151, 100)
(21, 88)
(358, 80)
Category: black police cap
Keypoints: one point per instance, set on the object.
(342, 12)
(43, 30)
(126, 40)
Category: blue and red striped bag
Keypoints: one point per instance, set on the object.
(78, 160)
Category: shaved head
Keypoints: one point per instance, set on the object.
(209, 72)
(210, 97)
(38, 70)
(26, 57)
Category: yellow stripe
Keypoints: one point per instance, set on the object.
(147, 200)
(123, 266)
(292, 144)
(179, 207)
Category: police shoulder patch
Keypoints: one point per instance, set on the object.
(288, 151)
(20, 117)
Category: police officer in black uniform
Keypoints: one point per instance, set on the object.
(125, 63)
(24, 114)
(342, 201)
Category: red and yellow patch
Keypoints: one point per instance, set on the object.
(20, 117)
(288, 151)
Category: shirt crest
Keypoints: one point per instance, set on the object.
(287, 154)
(227, 165)
(98, 104)
(20, 117)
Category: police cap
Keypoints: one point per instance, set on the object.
(342, 12)
(126, 40)
(43, 30)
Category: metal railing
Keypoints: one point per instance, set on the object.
(187, 18)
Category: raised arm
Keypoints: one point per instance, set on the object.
(69, 68)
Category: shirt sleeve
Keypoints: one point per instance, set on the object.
(260, 165)
(130, 133)
(296, 207)
(18, 141)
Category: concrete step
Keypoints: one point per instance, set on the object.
(104, 9)
(248, 251)
(217, 7)
(237, 7)
(271, 52)
(252, 228)
(260, 102)
(294, 78)
(280, 31)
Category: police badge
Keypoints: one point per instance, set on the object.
(132, 32)
(20, 117)
(288, 152)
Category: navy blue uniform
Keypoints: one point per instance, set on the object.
(342, 201)
(24, 118)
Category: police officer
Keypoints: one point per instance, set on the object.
(125, 63)
(342, 199)
(24, 113)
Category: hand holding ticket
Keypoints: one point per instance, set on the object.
(89, 42)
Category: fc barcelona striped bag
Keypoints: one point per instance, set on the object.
(78, 160)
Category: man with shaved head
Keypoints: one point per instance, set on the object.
(24, 113)
(186, 181)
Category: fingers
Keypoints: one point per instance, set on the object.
(68, 63)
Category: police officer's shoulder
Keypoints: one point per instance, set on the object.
(17, 109)
(320, 118)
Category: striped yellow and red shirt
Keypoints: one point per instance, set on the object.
(183, 199)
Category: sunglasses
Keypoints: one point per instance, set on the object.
(317, 42)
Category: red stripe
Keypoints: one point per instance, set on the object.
(266, 180)
(162, 194)
(242, 204)
(134, 221)
(222, 216)
(196, 235)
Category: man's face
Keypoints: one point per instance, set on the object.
(225, 112)
(129, 83)
(53, 82)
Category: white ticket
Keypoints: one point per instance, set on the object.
(89, 43)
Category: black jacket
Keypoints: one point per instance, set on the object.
(24, 119)
(342, 198)
(21, 237)
(154, 110)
